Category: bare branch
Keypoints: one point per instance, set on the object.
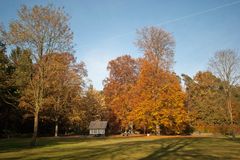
(159, 42)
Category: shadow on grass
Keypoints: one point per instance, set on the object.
(236, 139)
(161, 148)
(167, 149)
(17, 144)
(122, 148)
(177, 150)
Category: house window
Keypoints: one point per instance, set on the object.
(97, 131)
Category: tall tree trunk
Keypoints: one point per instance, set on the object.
(35, 130)
(7, 124)
(38, 102)
(56, 128)
(157, 130)
(131, 127)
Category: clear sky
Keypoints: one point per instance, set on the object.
(106, 29)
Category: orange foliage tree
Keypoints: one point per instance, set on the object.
(145, 92)
(139, 92)
(123, 73)
(159, 100)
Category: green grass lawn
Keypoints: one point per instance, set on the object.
(122, 148)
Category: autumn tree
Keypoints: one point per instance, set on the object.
(144, 91)
(236, 104)
(64, 85)
(225, 64)
(205, 100)
(159, 100)
(156, 80)
(123, 74)
(43, 30)
(159, 42)
(93, 106)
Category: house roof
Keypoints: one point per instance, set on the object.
(98, 124)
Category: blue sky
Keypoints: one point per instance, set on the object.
(106, 29)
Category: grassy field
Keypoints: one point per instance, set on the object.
(122, 148)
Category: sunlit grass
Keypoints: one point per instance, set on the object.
(122, 148)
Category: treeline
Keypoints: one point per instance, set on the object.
(44, 89)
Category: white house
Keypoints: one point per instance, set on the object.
(97, 127)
